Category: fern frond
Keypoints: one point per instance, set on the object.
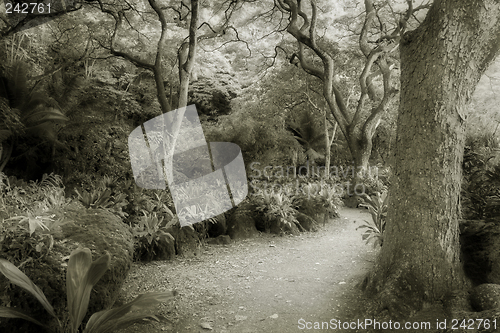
(45, 114)
(44, 130)
(51, 180)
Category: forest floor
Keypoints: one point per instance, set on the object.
(264, 284)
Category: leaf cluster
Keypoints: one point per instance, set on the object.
(277, 207)
(81, 276)
(318, 197)
(39, 113)
(104, 195)
(34, 203)
(377, 206)
(481, 181)
(150, 233)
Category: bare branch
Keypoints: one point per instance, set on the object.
(302, 27)
(369, 18)
(237, 40)
(275, 55)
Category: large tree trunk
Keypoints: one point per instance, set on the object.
(441, 63)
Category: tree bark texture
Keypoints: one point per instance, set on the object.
(441, 64)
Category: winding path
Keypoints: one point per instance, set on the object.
(265, 284)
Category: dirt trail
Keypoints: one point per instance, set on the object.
(265, 284)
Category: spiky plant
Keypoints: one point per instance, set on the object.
(377, 206)
(40, 115)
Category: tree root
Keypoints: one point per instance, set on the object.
(396, 296)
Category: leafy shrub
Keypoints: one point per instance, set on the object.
(150, 232)
(211, 98)
(258, 140)
(30, 207)
(318, 197)
(104, 195)
(138, 198)
(95, 198)
(201, 202)
(276, 207)
(312, 195)
(138, 201)
(308, 203)
(22, 247)
(17, 195)
(36, 218)
(30, 213)
(198, 212)
(481, 183)
(41, 116)
(98, 146)
(81, 276)
(201, 213)
(377, 206)
(371, 183)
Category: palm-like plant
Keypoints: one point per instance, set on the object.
(276, 206)
(377, 206)
(81, 276)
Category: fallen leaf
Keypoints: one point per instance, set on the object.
(206, 326)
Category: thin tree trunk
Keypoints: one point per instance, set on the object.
(5, 154)
(187, 56)
(328, 146)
